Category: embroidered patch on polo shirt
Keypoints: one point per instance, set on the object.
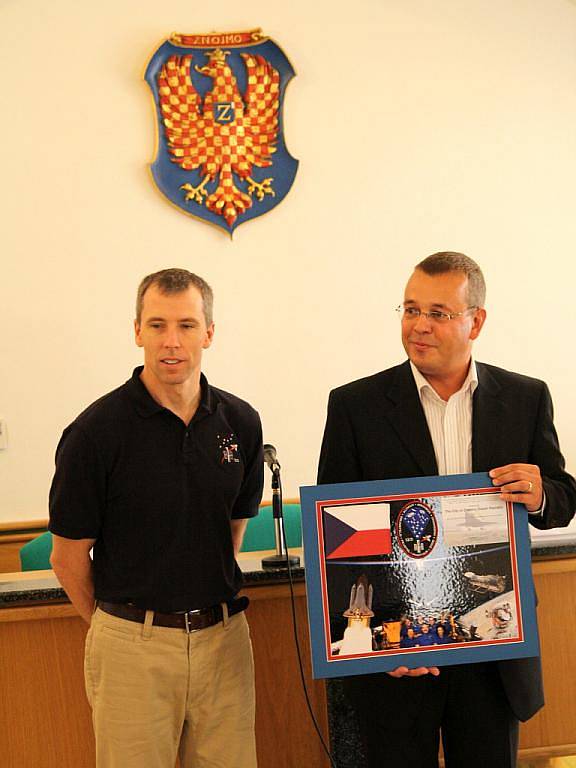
(228, 448)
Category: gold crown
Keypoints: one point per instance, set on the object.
(218, 56)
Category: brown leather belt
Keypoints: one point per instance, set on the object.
(190, 621)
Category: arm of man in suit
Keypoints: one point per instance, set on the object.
(338, 455)
(544, 481)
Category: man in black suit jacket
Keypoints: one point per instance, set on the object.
(391, 425)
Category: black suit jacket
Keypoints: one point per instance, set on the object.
(376, 429)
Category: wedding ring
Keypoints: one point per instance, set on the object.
(529, 486)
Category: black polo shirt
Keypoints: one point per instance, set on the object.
(158, 496)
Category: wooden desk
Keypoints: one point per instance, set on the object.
(552, 732)
(45, 719)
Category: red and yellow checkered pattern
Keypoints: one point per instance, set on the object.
(196, 139)
(262, 102)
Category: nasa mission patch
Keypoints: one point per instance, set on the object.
(416, 529)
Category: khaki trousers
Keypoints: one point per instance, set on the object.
(156, 692)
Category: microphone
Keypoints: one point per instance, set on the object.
(281, 559)
(270, 457)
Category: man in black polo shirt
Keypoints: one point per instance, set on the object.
(159, 478)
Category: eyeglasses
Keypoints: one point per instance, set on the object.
(435, 316)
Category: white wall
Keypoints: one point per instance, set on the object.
(420, 125)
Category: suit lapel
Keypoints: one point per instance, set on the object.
(407, 417)
(487, 413)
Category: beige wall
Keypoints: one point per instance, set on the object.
(420, 125)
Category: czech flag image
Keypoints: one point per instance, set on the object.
(357, 530)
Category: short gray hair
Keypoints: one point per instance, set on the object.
(452, 261)
(176, 280)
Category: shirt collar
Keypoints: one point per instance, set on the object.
(470, 382)
(146, 405)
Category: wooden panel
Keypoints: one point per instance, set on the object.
(38, 612)
(555, 725)
(44, 716)
(10, 545)
(18, 526)
(9, 552)
(12, 537)
(42, 693)
(45, 719)
(554, 565)
(550, 756)
(284, 735)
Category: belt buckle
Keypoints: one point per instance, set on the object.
(196, 612)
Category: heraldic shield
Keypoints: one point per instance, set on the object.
(221, 152)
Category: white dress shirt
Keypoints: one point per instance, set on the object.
(449, 422)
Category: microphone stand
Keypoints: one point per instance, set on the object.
(281, 559)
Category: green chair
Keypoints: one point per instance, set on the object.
(259, 534)
(35, 555)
